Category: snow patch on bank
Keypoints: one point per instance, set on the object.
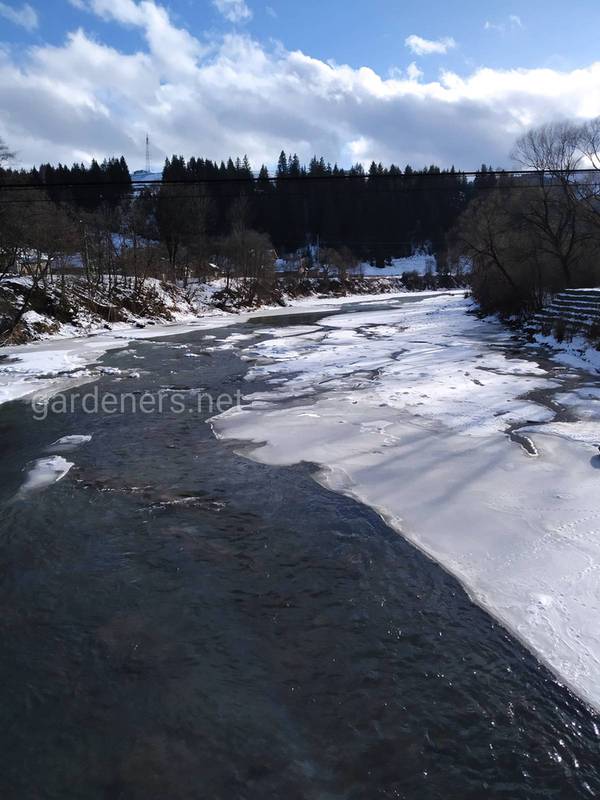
(578, 352)
(421, 263)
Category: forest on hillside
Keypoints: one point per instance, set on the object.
(377, 214)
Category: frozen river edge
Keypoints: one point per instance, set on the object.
(407, 410)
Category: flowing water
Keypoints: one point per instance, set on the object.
(180, 622)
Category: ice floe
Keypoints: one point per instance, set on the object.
(44, 473)
(68, 443)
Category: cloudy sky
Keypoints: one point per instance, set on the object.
(450, 82)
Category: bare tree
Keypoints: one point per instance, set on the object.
(348, 262)
(10, 224)
(552, 208)
(337, 262)
(140, 256)
(247, 258)
(588, 188)
(552, 148)
(589, 142)
(532, 235)
(11, 235)
(483, 232)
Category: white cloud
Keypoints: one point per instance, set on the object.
(237, 96)
(125, 11)
(25, 16)
(271, 12)
(233, 10)
(514, 22)
(413, 72)
(426, 47)
(174, 49)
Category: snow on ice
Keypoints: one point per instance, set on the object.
(408, 410)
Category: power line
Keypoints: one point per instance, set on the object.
(277, 179)
(363, 192)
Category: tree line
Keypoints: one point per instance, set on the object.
(379, 213)
(371, 215)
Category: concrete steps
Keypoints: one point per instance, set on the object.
(571, 313)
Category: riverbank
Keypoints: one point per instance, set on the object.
(69, 306)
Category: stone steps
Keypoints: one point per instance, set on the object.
(574, 311)
(572, 315)
(571, 305)
(593, 294)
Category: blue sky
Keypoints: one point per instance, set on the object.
(372, 33)
(459, 60)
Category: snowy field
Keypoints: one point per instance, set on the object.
(408, 410)
(421, 263)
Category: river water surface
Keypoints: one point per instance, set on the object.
(180, 622)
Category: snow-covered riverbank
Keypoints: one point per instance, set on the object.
(408, 410)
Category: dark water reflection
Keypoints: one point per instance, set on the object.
(180, 622)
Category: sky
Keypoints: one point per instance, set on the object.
(451, 83)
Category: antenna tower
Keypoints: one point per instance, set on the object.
(148, 169)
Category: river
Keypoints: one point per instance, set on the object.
(179, 621)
